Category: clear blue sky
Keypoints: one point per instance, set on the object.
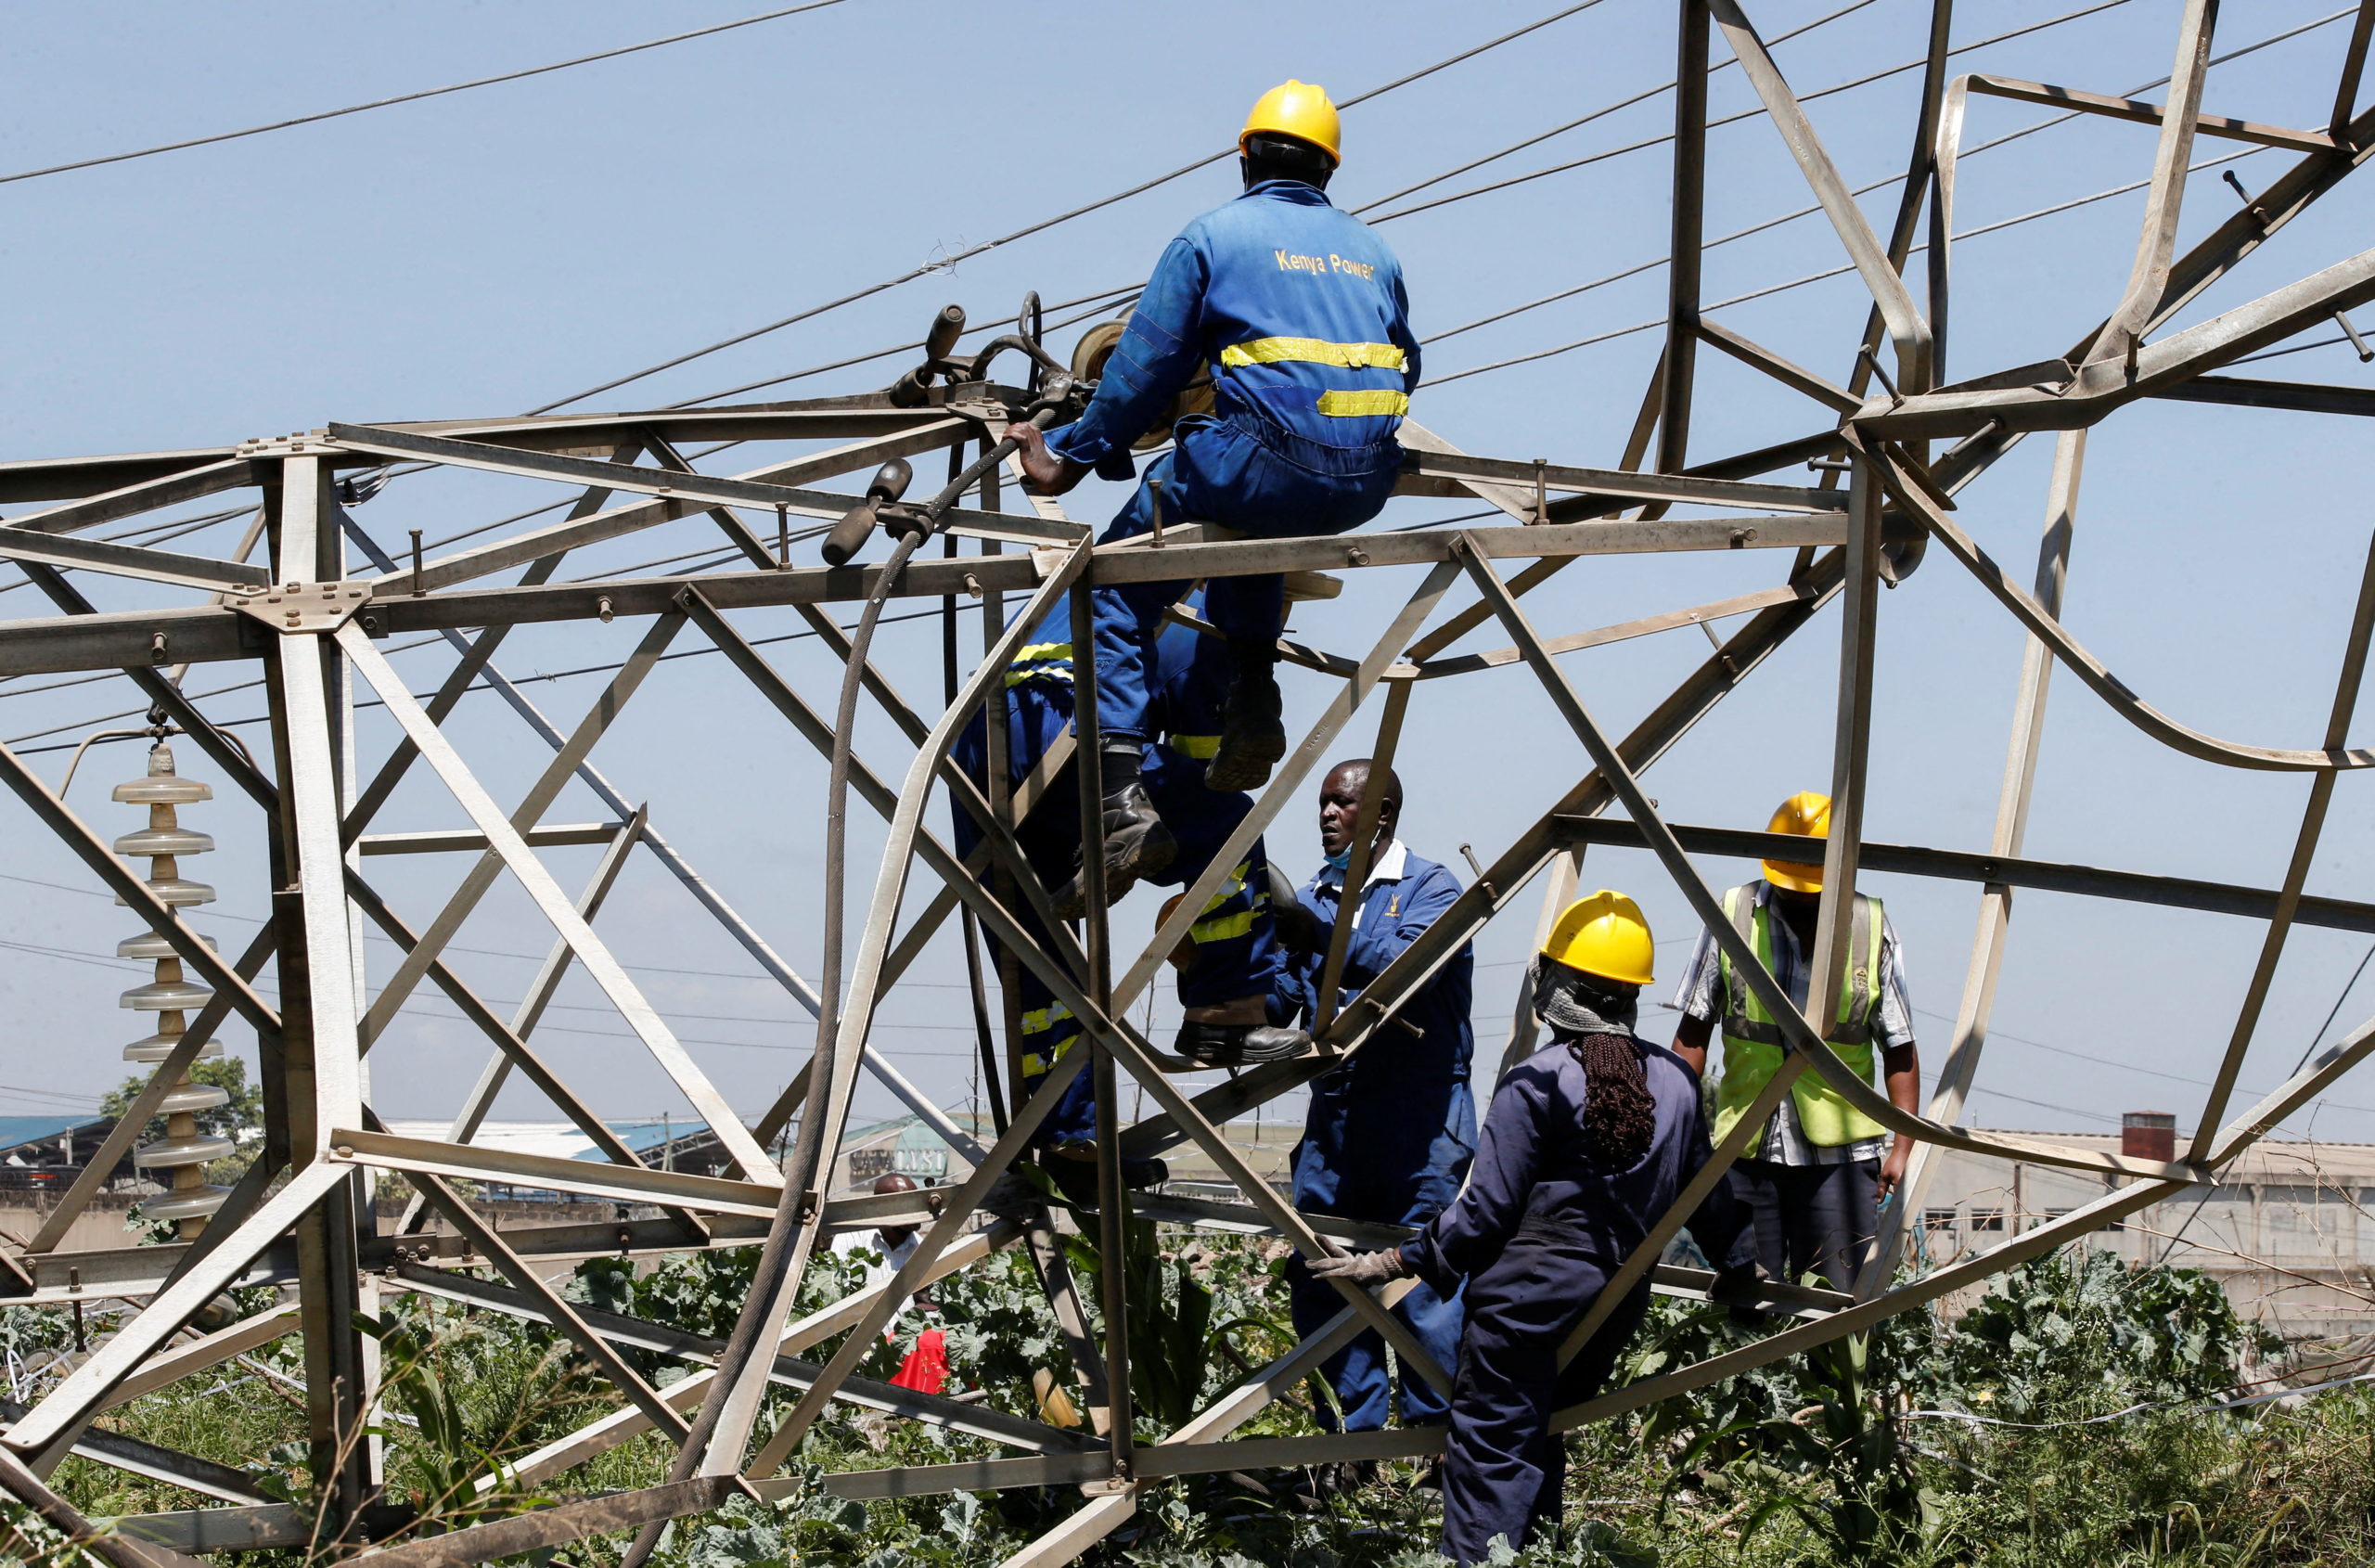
(488, 251)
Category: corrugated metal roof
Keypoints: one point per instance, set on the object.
(18, 1131)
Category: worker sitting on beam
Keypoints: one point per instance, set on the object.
(1815, 1174)
(1299, 311)
(1390, 1130)
(1587, 1143)
(1227, 984)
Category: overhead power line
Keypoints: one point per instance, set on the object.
(416, 97)
(1120, 295)
(1044, 225)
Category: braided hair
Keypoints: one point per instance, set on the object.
(1593, 1017)
(1618, 1115)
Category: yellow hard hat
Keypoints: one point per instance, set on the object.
(1299, 109)
(1807, 814)
(1604, 935)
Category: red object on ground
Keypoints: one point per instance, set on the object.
(926, 1367)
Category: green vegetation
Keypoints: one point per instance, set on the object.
(1839, 1458)
(240, 1119)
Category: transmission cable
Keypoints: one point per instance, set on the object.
(1044, 225)
(1830, 272)
(1608, 110)
(1734, 119)
(416, 97)
(1967, 154)
(1119, 295)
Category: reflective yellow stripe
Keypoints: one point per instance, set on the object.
(1040, 1020)
(1229, 889)
(1356, 404)
(1223, 929)
(1051, 658)
(1315, 351)
(1203, 748)
(1035, 1063)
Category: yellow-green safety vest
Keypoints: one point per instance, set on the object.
(1753, 1041)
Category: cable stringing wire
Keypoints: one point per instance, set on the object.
(1459, 375)
(1831, 272)
(1045, 224)
(416, 97)
(1117, 295)
(405, 648)
(1734, 119)
(1600, 113)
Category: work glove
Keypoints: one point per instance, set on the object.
(1362, 1268)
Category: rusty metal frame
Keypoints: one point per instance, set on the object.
(324, 628)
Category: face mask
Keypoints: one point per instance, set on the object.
(1340, 861)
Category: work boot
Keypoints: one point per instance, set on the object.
(1073, 1170)
(1236, 1045)
(1254, 732)
(1136, 845)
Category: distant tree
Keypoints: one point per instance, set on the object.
(235, 1119)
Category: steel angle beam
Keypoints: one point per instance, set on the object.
(259, 1527)
(169, 1367)
(1795, 377)
(578, 533)
(2014, 1250)
(132, 1273)
(209, 635)
(2146, 114)
(438, 840)
(2134, 887)
(630, 1184)
(558, 909)
(2244, 393)
(128, 499)
(134, 1456)
(557, 1526)
(1699, 615)
(2158, 366)
(629, 477)
(956, 1415)
(101, 479)
(1677, 488)
(865, 416)
(969, 1475)
(607, 1432)
(62, 1518)
(137, 562)
(87, 1386)
(1696, 696)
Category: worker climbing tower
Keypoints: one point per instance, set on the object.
(184, 1151)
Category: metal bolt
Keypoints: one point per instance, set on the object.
(602, 607)
(1356, 557)
(1743, 537)
(343, 1151)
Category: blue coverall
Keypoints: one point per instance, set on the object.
(1236, 952)
(1390, 1132)
(1536, 1236)
(1299, 309)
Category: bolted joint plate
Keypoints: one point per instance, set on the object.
(302, 607)
(303, 443)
